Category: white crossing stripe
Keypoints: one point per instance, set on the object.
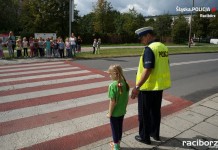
(31, 64)
(62, 90)
(44, 76)
(38, 71)
(51, 107)
(39, 67)
(49, 82)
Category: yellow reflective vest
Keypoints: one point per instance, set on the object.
(159, 78)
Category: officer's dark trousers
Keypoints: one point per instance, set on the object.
(149, 110)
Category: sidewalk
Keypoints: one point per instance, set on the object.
(196, 125)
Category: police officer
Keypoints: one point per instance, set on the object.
(153, 76)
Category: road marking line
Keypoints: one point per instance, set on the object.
(175, 64)
(193, 62)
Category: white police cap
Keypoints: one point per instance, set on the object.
(142, 31)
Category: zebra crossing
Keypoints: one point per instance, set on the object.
(56, 105)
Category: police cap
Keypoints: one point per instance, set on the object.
(143, 31)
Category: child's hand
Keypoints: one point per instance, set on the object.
(108, 115)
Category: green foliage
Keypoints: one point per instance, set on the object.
(200, 25)
(213, 26)
(163, 26)
(9, 15)
(150, 22)
(180, 30)
(102, 16)
(50, 16)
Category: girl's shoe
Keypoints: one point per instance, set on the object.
(114, 146)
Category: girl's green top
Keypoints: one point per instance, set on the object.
(120, 98)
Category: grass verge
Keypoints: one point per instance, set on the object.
(121, 52)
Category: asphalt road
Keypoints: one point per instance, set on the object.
(194, 76)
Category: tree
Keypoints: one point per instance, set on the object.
(86, 28)
(213, 26)
(180, 30)
(9, 15)
(150, 22)
(102, 16)
(163, 26)
(200, 25)
(47, 16)
(132, 21)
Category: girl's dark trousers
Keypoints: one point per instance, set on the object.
(117, 128)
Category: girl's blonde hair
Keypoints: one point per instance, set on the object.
(118, 72)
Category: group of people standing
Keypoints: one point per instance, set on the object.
(42, 47)
(96, 46)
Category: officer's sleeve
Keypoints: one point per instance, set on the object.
(148, 58)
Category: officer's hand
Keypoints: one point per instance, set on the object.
(134, 93)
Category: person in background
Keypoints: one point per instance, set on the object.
(19, 47)
(79, 42)
(61, 48)
(10, 49)
(1, 49)
(67, 46)
(25, 47)
(98, 46)
(72, 40)
(41, 47)
(31, 43)
(52, 47)
(118, 92)
(13, 41)
(48, 48)
(36, 48)
(56, 49)
(94, 45)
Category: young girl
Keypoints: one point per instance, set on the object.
(25, 47)
(31, 42)
(61, 48)
(55, 49)
(67, 45)
(118, 92)
(10, 49)
(48, 48)
(19, 47)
